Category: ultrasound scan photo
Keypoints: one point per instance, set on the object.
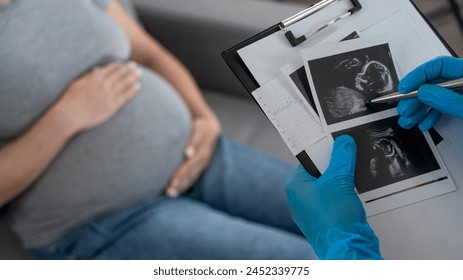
(389, 154)
(299, 77)
(346, 82)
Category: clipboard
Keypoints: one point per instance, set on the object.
(244, 75)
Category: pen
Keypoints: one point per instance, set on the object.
(396, 96)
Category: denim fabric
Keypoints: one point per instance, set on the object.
(236, 210)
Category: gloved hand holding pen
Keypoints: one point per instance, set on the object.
(328, 210)
(432, 100)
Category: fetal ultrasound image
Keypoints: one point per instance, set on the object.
(389, 149)
(299, 77)
(387, 154)
(345, 83)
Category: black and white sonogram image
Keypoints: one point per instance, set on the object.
(387, 154)
(299, 77)
(346, 82)
(388, 146)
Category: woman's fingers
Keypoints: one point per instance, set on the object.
(123, 81)
(128, 81)
(194, 143)
(115, 78)
(187, 173)
(184, 177)
(108, 70)
(198, 153)
(127, 95)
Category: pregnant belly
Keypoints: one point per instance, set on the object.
(128, 158)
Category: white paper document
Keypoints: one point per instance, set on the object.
(289, 114)
(400, 41)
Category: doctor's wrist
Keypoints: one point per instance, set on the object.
(357, 243)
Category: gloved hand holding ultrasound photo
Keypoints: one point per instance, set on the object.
(395, 166)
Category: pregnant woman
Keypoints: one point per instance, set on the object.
(108, 150)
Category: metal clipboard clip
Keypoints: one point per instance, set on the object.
(295, 41)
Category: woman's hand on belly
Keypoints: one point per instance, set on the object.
(198, 153)
(97, 96)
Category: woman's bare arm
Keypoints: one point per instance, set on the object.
(88, 102)
(23, 160)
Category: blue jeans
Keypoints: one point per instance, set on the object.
(236, 210)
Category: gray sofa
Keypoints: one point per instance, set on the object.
(197, 31)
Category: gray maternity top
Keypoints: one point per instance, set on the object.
(44, 46)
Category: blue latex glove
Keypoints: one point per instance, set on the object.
(432, 100)
(328, 210)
